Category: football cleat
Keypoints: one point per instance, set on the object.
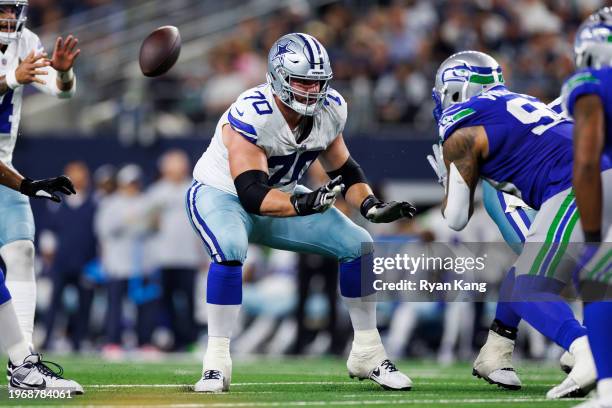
(567, 362)
(212, 381)
(494, 362)
(583, 376)
(372, 363)
(34, 373)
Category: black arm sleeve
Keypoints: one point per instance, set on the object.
(252, 187)
(351, 173)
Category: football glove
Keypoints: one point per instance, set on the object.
(47, 188)
(437, 164)
(378, 212)
(319, 200)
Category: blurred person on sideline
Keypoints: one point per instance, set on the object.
(71, 224)
(174, 248)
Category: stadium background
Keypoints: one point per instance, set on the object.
(384, 55)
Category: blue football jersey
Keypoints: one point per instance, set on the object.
(530, 145)
(592, 81)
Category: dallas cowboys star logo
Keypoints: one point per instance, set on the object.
(281, 50)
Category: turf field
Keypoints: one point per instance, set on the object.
(292, 383)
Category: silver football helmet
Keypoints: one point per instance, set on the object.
(463, 75)
(299, 56)
(12, 28)
(593, 42)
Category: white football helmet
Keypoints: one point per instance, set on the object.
(593, 42)
(299, 56)
(12, 28)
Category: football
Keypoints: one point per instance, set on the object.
(159, 51)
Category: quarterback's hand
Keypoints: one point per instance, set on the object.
(319, 200)
(437, 164)
(28, 69)
(378, 212)
(65, 53)
(47, 188)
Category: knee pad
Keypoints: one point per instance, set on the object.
(358, 243)
(18, 257)
(224, 283)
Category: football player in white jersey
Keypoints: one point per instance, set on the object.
(245, 190)
(23, 61)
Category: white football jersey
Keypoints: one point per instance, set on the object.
(10, 102)
(256, 117)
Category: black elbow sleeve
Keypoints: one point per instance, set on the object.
(252, 187)
(351, 173)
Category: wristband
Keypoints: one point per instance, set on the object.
(65, 76)
(11, 79)
(369, 202)
(592, 236)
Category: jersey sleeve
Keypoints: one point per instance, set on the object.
(338, 109)
(456, 117)
(32, 43)
(248, 115)
(581, 83)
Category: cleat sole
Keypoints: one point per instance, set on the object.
(490, 381)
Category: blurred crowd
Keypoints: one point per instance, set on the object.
(385, 54)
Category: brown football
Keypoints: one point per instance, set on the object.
(159, 51)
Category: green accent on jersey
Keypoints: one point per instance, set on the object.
(563, 209)
(605, 261)
(580, 79)
(462, 114)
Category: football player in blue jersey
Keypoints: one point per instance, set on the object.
(524, 148)
(588, 99)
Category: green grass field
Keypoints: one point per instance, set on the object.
(292, 383)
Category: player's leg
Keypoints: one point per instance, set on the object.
(542, 271)
(596, 289)
(333, 234)
(17, 251)
(494, 361)
(224, 226)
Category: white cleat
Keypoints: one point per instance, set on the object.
(583, 376)
(372, 363)
(567, 362)
(35, 374)
(596, 403)
(494, 362)
(212, 381)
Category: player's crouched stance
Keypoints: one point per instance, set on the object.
(245, 191)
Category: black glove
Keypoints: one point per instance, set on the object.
(319, 200)
(47, 188)
(376, 211)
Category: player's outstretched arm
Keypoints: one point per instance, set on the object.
(589, 139)
(64, 56)
(249, 169)
(47, 188)
(462, 153)
(337, 161)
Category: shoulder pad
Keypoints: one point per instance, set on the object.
(584, 82)
(336, 105)
(455, 117)
(249, 114)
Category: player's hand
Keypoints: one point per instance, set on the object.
(319, 200)
(65, 53)
(29, 69)
(379, 212)
(437, 164)
(47, 188)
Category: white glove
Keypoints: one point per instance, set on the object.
(437, 164)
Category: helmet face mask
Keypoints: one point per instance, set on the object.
(463, 75)
(13, 17)
(295, 58)
(593, 42)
